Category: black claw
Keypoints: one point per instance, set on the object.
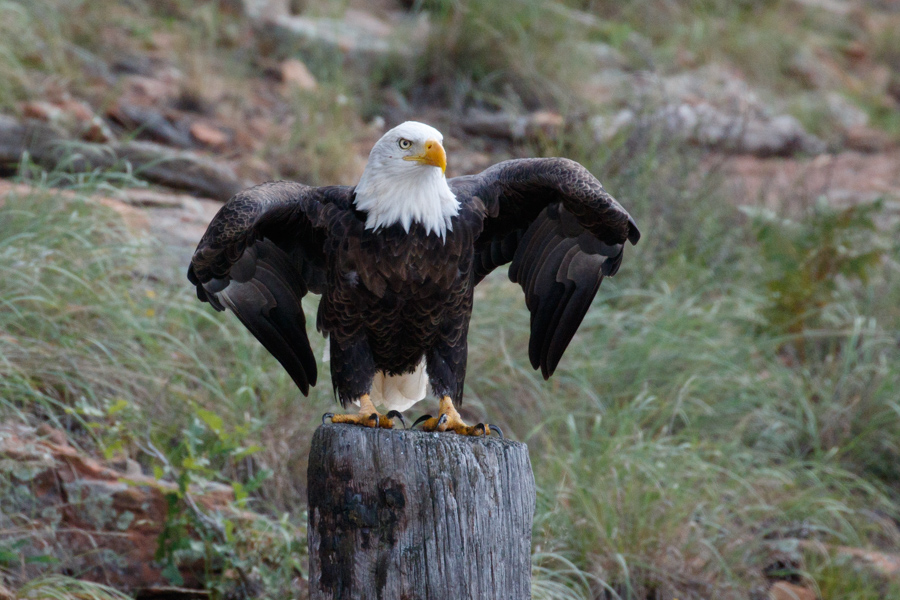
(497, 429)
(327, 416)
(421, 419)
(374, 417)
(442, 421)
(395, 414)
(480, 427)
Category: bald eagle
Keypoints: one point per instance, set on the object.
(396, 260)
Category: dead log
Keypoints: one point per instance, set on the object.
(536, 125)
(150, 123)
(408, 514)
(180, 170)
(49, 147)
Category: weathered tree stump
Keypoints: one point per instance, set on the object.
(408, 515)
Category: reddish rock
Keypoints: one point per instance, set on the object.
(148, 91)
(847, 177)
(867, 139)
(295, 74)
(77, 109)
(782, 590)
(72, 115)
(93, 510)
(209, 135)
(45, 111)
(882, 562)
(856, 50)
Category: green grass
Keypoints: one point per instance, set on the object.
(97, 343)
(55, 587)
(679, 435)
(511, 54)
(842, 577)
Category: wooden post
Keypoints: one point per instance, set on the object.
(408, 515)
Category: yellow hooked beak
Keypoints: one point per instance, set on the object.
(434, 155)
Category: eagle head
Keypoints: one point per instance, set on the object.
(404, 181)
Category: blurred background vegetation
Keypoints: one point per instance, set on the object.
(726, 423)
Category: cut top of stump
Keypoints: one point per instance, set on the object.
(410, 514)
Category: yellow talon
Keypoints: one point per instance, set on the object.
(367, 416)
(448, 419)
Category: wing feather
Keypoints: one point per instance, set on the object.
(561, 234)
(269, 304)
(261, 254)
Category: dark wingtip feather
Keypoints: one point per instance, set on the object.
(634, 234)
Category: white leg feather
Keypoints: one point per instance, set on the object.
(399, 392)
(393, 392)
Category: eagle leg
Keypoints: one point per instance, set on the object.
(367, 416)
(448, 419)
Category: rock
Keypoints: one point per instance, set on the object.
(811, 69)
(782, 590)
(358, 33)
(610, 87)
(334, 33)
(887, 565)
(92, 518)
(181, 170)
(705, 125)
(605, 56)
(149, 123)
(134, 219)
(866, 139)
(266, 10)
(144, 198)
(209, 135)
(295, 74)
(893, 86)
(513, 127)
(95, 68)
(856, 50)
(5, 594)
(176, 221)
(714, 84)
(55, 436)
(838, 7)
(606, 128)
(72, 115)
(574, 15)
(45, 111)
(845, 178)
(847, 114)
(170, 592)
(150, 91)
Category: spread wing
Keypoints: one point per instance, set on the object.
(262, 252)
(561, 231)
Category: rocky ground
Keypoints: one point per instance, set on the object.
(139, 109)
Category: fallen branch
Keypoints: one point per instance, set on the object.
(49, 147)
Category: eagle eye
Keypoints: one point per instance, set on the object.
(405, 144)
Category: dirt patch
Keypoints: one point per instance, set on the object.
(844, 178)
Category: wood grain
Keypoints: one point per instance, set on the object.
(406, 515)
